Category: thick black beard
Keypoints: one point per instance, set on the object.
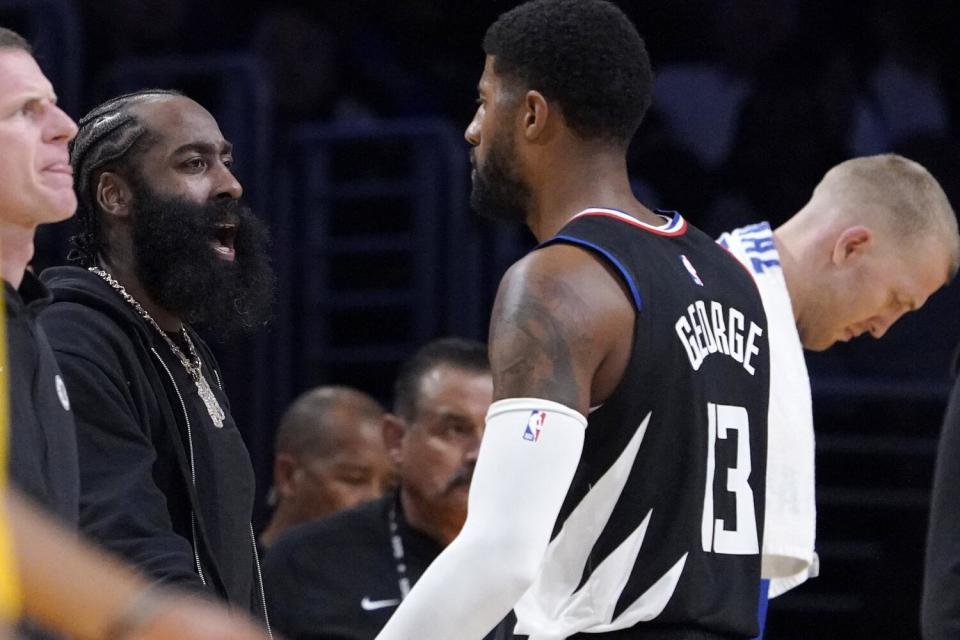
(182, 273)
(498, 192)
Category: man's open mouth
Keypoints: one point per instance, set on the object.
(222, 241)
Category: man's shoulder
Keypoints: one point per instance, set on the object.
(321, 570)
(84, 317)
(754, 245)
(560, 271)
(761, 227)
(333, 577)
(80, 292)
(76, 330)
(351, 529)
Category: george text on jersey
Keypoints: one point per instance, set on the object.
(707, 328)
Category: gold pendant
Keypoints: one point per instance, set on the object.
(210, 400)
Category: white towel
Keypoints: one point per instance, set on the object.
(790, 523)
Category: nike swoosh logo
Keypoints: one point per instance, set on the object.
(372, 605)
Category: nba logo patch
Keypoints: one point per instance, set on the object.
(689, 267)
(534, 425)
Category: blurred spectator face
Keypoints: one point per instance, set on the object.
(353, 468)
(37, 181)
(436, 450)
(876, 286)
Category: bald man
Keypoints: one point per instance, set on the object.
(330, 456)
(876, 239)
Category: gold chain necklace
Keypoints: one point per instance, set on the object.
(193, 364)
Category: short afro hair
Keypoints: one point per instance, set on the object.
(584, 55)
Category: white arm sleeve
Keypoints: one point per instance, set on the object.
(529, 453)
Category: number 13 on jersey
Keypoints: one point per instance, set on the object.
(717, 536)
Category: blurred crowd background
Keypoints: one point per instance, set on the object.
(347, 120)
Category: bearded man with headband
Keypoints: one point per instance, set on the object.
(166, 480)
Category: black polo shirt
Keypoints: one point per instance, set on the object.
(43, 444)
(336, 578)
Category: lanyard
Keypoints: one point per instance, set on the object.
(398, 554)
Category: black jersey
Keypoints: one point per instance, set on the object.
(659, 535)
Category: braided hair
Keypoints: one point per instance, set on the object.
(104, 139)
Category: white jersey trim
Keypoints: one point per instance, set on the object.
(673, 226)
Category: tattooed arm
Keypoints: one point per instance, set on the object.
(561, 329)
(556, 339)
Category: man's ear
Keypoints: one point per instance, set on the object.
(536, 112)
(285, 468)
(114, 194)
(394, 428)
(851, 243)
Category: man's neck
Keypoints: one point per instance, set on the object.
(442, 528)
(593, 180)
(792, 266)
(124, 273)
(279, 522)
(16, 251)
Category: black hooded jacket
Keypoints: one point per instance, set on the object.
(161, 485)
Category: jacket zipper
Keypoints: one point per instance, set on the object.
(263, 595)
(253, 537)
(193, 470)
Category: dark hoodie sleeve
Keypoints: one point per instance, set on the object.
(121, 505)
(940, 606)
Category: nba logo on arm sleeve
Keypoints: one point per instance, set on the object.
(531, 432)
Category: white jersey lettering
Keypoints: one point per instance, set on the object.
(703, 332)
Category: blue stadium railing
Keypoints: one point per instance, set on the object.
(385, 258)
